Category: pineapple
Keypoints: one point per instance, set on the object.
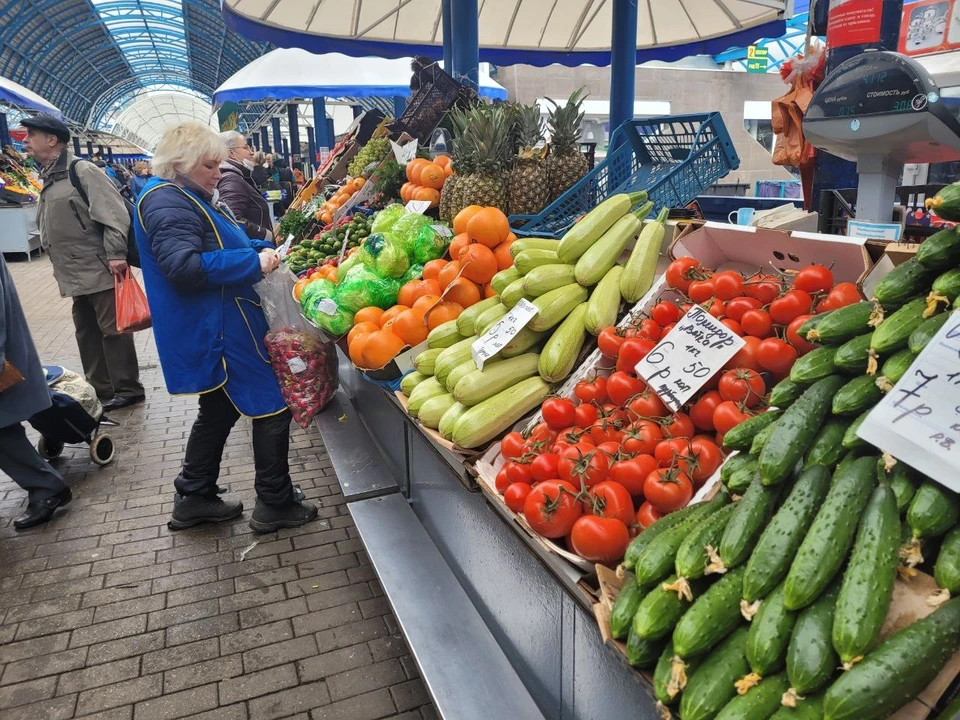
(485, 148)
(527, 182)
(565, 164)
(449, 196)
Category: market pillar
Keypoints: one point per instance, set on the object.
(320, 135)
(399, 105)
(447, 17)
(89, 149)
(293, 125)
(286, 151)
(100, 151)
(109, 154)
(466, 42)
(623, 62)
(311, 148)
(76, 140)
(331, 133)
(357, 111)
(277, 141)
(265, 139)
(5, 132)
(256, 142)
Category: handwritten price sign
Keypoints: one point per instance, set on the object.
(919, 420)
(688, 356)
(497, 337)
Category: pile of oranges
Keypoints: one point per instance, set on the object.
(326, 211)
(480, 249)
(425, 178)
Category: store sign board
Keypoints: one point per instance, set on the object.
(854, 22)
(688, 356)
(494, 339)
(929, 26)
(757, 58)
(874, 231)
(918, 421)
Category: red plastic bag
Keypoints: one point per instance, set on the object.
(133, 313)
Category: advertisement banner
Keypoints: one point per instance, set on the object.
(227, 116)
(929, 26)
(854, 22)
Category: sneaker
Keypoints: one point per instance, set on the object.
(268, 518)
(190, 510)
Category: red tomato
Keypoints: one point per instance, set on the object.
(728, 285)
(813, 279)
(502, 482)
(518, 472)
(542, 435)
(614, 413)
(764, 288)
(622, 386)
(700, 290)
(647, 405)
(802, 346)
(605, 430)
(845, 293)
(569, 438)
(673, 452)
(647, 515)
(790, 305)
(588, 468)
(516, 495)
(715, 307)
(709, 458)
(680, 272)
(599, 540)
(552, 507)
(777, 356)
(609, 341)
(742, 385)
(642, 437)
(558, 413)
(512, 445)
(586, 414)
(631, 473)
(667, 329)
(747, 355)
(701, 412)
(668, 489)
(544, 466)
(591, 391)
(679, 425)
(738, 306)
(611, 499)
(665, 312)
(649, 329)
(633, 351)
(610, 447)
(736, 327)
(757, 323)
(728, 415)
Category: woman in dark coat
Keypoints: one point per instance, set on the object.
(238, 191)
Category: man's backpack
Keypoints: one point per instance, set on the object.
(133, 253)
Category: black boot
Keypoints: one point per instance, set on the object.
(190, 510)
(268, 518)
(41, 511)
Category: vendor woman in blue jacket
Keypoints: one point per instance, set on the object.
(199, 268)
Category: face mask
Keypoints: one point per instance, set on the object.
(215, 197)
(248, 164)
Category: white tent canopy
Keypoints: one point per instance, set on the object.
(17, 95)
(292, 73)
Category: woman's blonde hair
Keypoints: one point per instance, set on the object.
(185, 146)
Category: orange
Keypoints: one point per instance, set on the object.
(449, 272)
(410, 326)
(459, 243)
(380, 347)
(359, 182)
(428, 194)
(488, 291)
(425, 302)
(510, 237)
(355, 349)
(433, 268)
(432, 176)
(413, 169)
(368, 314)
(488, 227)
(391, 314)
(298, 287)
(448, 170)
(325, 217)
(443, 312)
(479, 263)
(463, 217)
(405, 191)
(502, 253)
(415, 289)
(462, 292)
(442, 160)
(361, 328)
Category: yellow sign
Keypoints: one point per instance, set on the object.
(757, 58)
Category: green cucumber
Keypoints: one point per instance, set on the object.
(742, 478)
(795, 430)
(828, 541)
(640, 542)
(854, 355)
(642, 653)
(827, 447)
(759, 440)
(693, 557)
(940, 251)
(867, 588)
(946, 571)
(840, 325)
(896, 366)
(785, 392)
(851, 441)
(624, 607)
(897, 669)
(744, 529)
(777, 546)
(713, 616)
(922, 336)
(759, 702)
(857, 396)
(711, 687)
(741, 436)
(734, 463)
(894, 332)
(811, 659)
(668, 681)
(660, 610)
(815, 365)
(933, 511)
(806, 708)
(901, 480)
(770, 635)
(902, 283)
(948, 284)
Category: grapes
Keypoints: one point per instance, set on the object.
(373, 152)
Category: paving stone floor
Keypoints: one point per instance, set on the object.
(107, 614)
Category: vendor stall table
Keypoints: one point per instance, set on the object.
(19, 224)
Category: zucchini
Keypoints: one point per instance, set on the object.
(769, 636)
(522, 342)
(527, 260)
(546, 278)
(595, 223)
(532, 243)
(897, 669)
(948, 284)
(426, 362)
(641, 541)
(443, 336)
(503, 278)
(560, 352)
(600, 257)
(670, 677)
(777, 546)
(852, 441)
(741, 436)
(795, 430)
(693, 555)
(894, 332)
(554, 306)
(486, 420)
(827, 447)
(857, 396)
(449, 420)
(713, 616)
(625, 607)
(806, 708)
(867, 588)
(479, 385)
(853, 357)
(784, 393)
(641, 268)
(410, 381)
(466, 321)
(733, 463)
(759, 440)
(922, 336)
(946, 571)
(431, 387)
(895, 367)
(489, 317)
(642, 653)
(449, 358)
(760, 701)
(711, 687)
(742, 478)
(815, 365)
(933, 511)
(513, 293)
(840, 325)
(604, 303)
(461, 371)
(940, 251)
(811, 659)
(901, 480)
(825, 547)
(660, 610)
(433, 409)
(746, 525)
(902, 283)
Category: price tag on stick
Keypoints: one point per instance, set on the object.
(494, 339)
(689, 355)
(418, 207)
(918, 421)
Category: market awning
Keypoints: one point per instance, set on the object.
(295, 74)
(531, 32)
(17, 95)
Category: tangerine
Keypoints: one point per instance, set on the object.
(391, 314)
(415, 289)
(355, 349)
(368, 314)
(502, 253)
(410, 326)
(429, 194)
(488, 227)
(479, 263)
(442, 312)
(425, 302)
(442, 160)
(446, 276)
(413, 169)
(432, 176)
(361, 328)
(380, 347)
(463, 292)
(433, 268)
(458, 244)
(463, 217)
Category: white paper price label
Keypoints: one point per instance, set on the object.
(688, 356)
(406, 153)
(327, 307)
(284, 249)
(918, 421)
(296, 365)
(419, 207)
(494, 339)
(442, 230)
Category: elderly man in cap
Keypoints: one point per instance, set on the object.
(86, 238)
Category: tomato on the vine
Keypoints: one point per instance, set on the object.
(586, 414)
(515, 496)
(668, 489)
(764, 288)
(577, 466)
(649, 329)
(738, 306)
(591, 391)
(665, 312)
(791, 304)
(777, 356)
(680, 273)
(609, 341)
(642, 437)
(614, 413)
(675, 452)
(599, 540)
(793, 337)
(647, 405)
(544, 466)
(610, 447)
(746, 356)
(542, 435)
(611, 499)
(605, 430)
(735, 327)
(647, 515)
(843, 294)
(512, 445)
(502, 482)
(631, 473)
(814, 279)
(633, 351)
(728, 285)
(552, 508)
(709, 458)
(678, 425)
(558, 412)
(622, 386)
(700, 290)
(728, 415)
(667, 329)
(742, 385)
(570, 437)
(715, 307)
(757, 323)
(701, 412)
(518, 472)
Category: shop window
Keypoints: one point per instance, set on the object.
(761, 131)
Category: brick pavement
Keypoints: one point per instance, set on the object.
(106, 614)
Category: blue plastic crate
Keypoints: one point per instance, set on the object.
(673, 158)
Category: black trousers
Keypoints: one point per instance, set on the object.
(21, 461)
(271, 444)
(109, 358)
